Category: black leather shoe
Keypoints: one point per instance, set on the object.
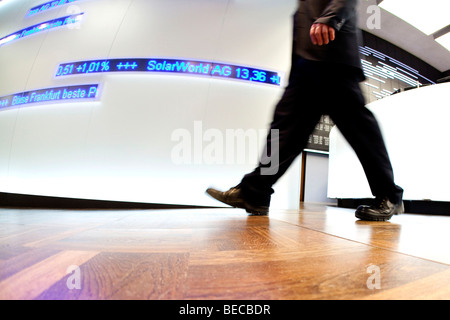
(382, 210)
(234, 198)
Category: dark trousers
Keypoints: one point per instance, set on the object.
(315, 89)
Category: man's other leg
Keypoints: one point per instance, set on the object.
(361, 129)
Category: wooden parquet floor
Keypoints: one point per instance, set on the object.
(318, 252)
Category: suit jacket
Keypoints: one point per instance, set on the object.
(339, 14)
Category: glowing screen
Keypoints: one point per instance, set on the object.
(47, 6)
(384, 74)
(69, 93)
(43, 26)
(173, 66)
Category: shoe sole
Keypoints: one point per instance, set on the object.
(255, 211)
(365, 217)
(371, 218)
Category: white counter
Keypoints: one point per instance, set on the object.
(415, 125)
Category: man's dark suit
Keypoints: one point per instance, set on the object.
(339, 14)
(324, 80)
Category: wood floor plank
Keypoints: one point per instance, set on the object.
(8, 251)
(427, 288)
(22, 259)
(30, 282)
(128, 240)
(399, 234)
(332, 275)
(56, 235)
(124, 276)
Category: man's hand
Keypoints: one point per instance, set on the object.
(321, 34)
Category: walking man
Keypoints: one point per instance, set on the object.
(325, 76)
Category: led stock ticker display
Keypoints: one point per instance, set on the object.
(170, 66)
(57, 94)
(41, 27)
(47, 6)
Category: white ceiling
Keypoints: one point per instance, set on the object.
(405, 36)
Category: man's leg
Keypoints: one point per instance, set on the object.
(294, 119)
(359, 126)
(293, 128)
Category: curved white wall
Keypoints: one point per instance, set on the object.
(120, 145)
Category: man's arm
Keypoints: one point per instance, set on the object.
(332, 19)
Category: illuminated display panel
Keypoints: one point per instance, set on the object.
(172, 66)
(47, 6)
(385, 75)
(69, 93)
(319, 140)
(43, 26)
